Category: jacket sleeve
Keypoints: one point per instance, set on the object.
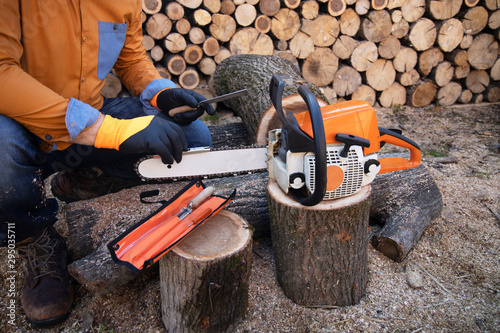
(24, 99)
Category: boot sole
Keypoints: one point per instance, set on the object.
(48, 322)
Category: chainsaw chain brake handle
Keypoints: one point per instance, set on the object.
(398, 163)
(296, 140)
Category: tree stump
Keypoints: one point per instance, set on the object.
(204, 280)
(320, 251)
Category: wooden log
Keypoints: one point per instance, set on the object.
(443, 9)
(429, 59)
(379, 4)
(389, 47)
(408, 78)
(207, 66)
(192, 4)
(400, 29)
(164, 73)
(477, 81)
(323, 30)
(148, 42)
(365, 93)
(192, 54)
(443, 73)
(292, 4)
(213, 6)
(175, 42)
(477, 98)
(301, 45)
(285, 24)
(197, 35)
(204, 281)
(483, 51)
(281, 45)
(346, 81)
(392, 96)
(344, 47)
(202, 17)
(381, 75)
(364, 55)
(422, 93)
(362, 7)
(269, 7)
(254, 73)
(189, 79)
(494, 20)
(156, 53)
(223, 27)
(471, 3)
(174, 11)
(395, 4)
(492, 4)
(250, 41)
(465, 96)
(301, 235)
(211, 47)
(227, 7)
(151, 6)
(320, 66)
(493, 94)
(349, 22)
(495, 71)
(245, 14)
(413, 10)
(183, 26)
(404, 202)
(287, 55)
(450, 34)
(223, 54)
(377, 26)
(175, 64)
(336, 7)
(262, 24)
(158, 26)
(423, 34)
(475, 20)
(112, 86)
(449, 94)
(466, 41)
(309, 9)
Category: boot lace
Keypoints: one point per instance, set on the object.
(38, 255)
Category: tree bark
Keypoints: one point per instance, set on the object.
(254, 73)
(404, 208)
(204, 280)
(302, 235)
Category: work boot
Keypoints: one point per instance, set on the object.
(47, 294)
(87, 184)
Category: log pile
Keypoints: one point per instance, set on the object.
(390, 52)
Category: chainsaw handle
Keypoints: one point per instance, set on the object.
(299, 141)
(399, 163)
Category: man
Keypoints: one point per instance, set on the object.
(54, 57)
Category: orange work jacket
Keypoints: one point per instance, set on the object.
(55, 55)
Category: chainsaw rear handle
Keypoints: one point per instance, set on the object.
(398, 163)
(299, 141)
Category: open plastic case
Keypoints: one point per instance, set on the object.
(147, 241)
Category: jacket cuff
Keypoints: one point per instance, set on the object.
(150, 91)
(79, 116)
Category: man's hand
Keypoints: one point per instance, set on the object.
(172, 98)
(147, 134)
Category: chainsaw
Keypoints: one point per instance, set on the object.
(323, 154)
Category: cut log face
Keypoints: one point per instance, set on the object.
(449, 94)
(301, 45)
(337, 227)
(423, 34)
(483, 51)
(475, 20)
(450, 35)
(250, 41)
(349, 22)
(364, 55)
(320, 66)
(422, 93)
(204, 280)
(323, 30)
(377, 26)
(444, 9)
(412, 10)
(346, 81)
(381, 75)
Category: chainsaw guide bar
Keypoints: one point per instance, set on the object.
(205, 162)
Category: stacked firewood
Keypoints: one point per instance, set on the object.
(386, 52)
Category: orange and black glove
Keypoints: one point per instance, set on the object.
(183, 99)
(148, 134)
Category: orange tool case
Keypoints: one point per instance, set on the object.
(144, 243)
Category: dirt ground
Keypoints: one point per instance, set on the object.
(450, 281)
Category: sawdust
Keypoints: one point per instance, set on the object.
(450, 282)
